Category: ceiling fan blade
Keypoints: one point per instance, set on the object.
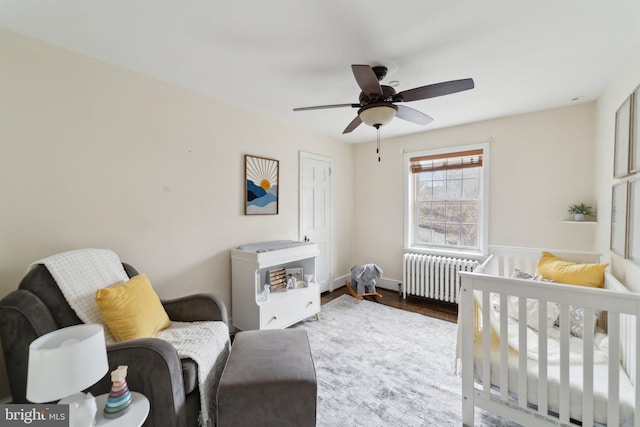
(431, 91)
(354, 124)
(411, 115)
(366, 79)
(320, 107)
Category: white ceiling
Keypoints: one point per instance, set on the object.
(272, 56)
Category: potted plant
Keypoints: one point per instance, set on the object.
(581, 211)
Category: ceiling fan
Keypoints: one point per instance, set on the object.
(377, 103)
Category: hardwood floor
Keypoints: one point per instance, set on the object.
(437, 309)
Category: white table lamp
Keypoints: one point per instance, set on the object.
(64, 362)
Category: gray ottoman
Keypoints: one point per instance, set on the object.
(269, 380)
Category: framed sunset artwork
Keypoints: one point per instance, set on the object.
(261, 185)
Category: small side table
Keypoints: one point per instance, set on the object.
(133, 418)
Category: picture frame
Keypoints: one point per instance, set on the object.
(261, 178)
(295, 272)
(633, 235)
(635, 131)
(622, 139)
(619, 202)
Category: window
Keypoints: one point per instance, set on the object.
(446, 199)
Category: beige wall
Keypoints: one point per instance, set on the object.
(97, 156)
(624, 82)
(540, 163)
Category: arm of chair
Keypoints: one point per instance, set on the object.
(154, 369)
(197, 307)
(23, 318)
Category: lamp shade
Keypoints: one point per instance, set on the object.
(66, 361)
(377, 114)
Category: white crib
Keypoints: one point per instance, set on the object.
(542, 390)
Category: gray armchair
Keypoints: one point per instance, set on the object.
(155, 370)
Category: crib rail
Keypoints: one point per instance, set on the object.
(507, 258)
(623, 308)
(628, 331)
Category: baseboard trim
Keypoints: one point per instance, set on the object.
(383, 282)
(391, 284)
(338, 282)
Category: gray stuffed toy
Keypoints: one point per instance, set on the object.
(365, 275)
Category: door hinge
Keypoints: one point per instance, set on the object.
(329, 171)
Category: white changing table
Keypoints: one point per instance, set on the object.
(250, 265)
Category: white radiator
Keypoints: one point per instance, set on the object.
(433, 276)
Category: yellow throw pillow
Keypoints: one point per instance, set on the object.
(553, 268)
(132, 309)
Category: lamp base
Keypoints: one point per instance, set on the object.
(82, 409)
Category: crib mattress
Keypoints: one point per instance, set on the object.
(600, 383)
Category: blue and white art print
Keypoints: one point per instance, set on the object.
(261, 186)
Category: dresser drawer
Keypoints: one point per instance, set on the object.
(286, 308)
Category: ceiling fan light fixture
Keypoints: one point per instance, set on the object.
(376, 102)
(378, 114)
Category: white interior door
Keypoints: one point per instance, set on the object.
(315, 212)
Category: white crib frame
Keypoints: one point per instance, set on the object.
(492, 276)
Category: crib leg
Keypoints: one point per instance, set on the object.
(467, 412)
(465, 337)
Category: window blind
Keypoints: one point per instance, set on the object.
(447, 161)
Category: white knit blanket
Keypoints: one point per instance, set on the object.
(80, 273)
(208, 344)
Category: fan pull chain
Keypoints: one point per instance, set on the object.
(378, 148)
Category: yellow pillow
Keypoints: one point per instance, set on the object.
(132, 309)
(553, 268)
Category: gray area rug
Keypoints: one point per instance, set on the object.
(381, 366)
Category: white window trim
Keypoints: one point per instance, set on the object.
(483, 227)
